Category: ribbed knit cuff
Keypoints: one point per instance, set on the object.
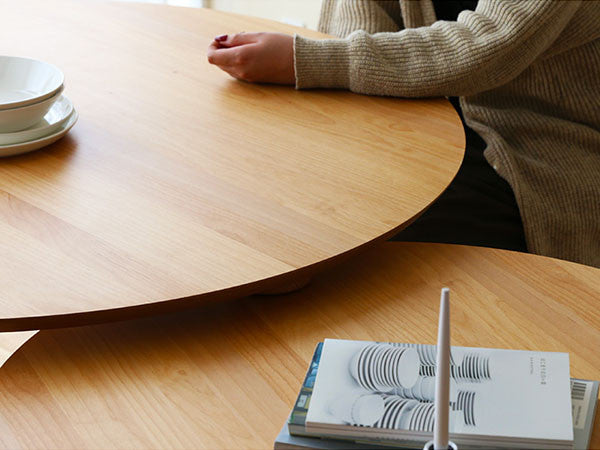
(321, 63)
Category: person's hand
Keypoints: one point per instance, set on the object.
(255, 57)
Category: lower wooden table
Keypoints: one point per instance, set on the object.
(226, 375)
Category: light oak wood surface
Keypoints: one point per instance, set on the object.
(226, 375)
(10, 343)
(179, 184)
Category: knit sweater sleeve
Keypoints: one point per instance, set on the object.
(483, 49)
(342, 17)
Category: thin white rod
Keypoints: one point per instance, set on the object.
(442, 378)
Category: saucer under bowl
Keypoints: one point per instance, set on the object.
(58, 114)
(28, 146)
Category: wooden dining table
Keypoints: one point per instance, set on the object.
(179, 185)
(226, 375)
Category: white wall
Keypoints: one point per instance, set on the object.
(304, 13)
(295, 12)
(190, 3)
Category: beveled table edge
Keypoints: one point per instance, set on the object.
(282, 283)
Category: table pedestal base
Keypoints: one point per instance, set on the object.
(289, 286)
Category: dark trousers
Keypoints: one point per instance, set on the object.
(478, 208)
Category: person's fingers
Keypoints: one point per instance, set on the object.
(222, 56)
(211, 52)
(235, 70)
(237, 39)
(213, 46)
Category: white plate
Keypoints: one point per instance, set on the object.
(431, 351)
(387, 400)
(430, 417)
(376, 369)
(368, 356)
(425, 417)
(58, 114)
(389, 412)
(381, 367)
(406, 414)
(413, 416)
(375, 366)
(396, 424)
(396, 413)
(470, 367)
(353, 365)
(25, 81)
(407, 369)
(24, 147)
(361, 367)
(386, 366)
(392, 367)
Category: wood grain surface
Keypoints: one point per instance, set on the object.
(226, 375)
(11, 342)
(179, 184)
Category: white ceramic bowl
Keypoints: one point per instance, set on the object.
(25, 81)
(58, 115)
(17, 119)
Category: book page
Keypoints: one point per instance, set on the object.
(501, 393)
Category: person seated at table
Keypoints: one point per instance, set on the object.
(527, 78)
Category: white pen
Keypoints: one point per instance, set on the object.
(442, 379)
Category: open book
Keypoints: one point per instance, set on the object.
(382, 393)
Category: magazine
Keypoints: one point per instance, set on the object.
(383, 393)
(584, 399)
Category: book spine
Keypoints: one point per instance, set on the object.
(297, 418)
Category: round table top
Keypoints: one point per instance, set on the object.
(179, 184)
(226, 375)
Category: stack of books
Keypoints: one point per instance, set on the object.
(366, 394)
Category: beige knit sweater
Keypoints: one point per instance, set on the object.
(528, 74)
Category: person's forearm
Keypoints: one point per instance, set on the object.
(484, 49)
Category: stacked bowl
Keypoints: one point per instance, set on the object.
(33, 111)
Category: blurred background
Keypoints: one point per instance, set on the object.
(303, 13)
